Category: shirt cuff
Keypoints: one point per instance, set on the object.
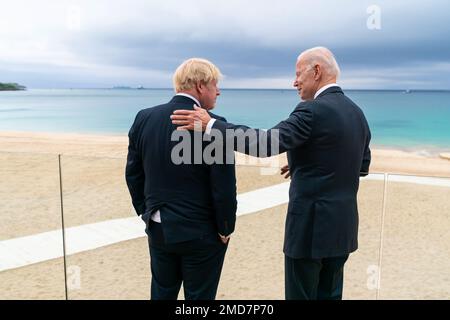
(209, 126)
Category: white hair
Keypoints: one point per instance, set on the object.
(323, 57)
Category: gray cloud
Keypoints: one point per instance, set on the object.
(142, 42)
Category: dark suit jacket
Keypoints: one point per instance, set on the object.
(193, 199)
(327, 143)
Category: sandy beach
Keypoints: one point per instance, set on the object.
(383, 159)
(415, 259)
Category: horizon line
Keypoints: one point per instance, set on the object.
(256, 89)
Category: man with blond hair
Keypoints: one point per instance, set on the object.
(326, 138)
(190, 206)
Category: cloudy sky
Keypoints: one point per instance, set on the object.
(104, 43)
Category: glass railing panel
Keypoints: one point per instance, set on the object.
(416, 239)
(362, 268)
(31, 251)
(107, 251)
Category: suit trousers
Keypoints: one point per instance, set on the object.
(314, 279)
(197, 264)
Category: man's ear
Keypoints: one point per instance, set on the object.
(317, 72)
(199, 87)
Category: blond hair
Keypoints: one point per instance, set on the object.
(193, 71)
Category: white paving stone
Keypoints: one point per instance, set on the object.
(23, 251)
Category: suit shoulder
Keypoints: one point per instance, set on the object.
(217, 117)
(147, 111)
(142, 116)
(304, 107)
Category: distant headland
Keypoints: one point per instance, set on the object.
(127, 88)
(11, 87)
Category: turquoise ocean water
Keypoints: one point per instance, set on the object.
(417, 120)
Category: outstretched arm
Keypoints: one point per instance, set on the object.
(288, 134)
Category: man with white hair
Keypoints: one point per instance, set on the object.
(327, 139)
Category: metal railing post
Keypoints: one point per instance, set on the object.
(62, 226)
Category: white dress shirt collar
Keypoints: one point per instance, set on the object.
(189, 96)
(325, 88)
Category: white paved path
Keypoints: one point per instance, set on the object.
(23, 251)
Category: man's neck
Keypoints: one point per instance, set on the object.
(324, 84)
(191, 95)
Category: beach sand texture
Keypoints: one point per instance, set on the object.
(415, 257)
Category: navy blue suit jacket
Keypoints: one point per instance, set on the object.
(193, 199)
(327, 144)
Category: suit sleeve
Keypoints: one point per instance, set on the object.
(367, 155)
(286, 135)
(223, 188)
(134, 172)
